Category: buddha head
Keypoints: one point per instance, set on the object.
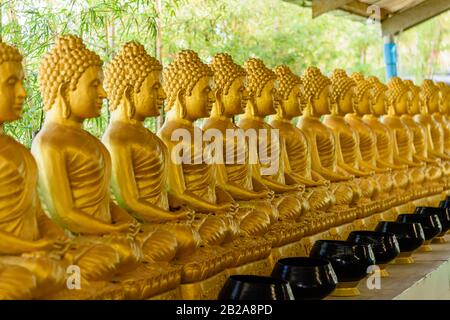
(444, 98)
(12, 92)
(397, 97)
(317, 92)
(187, 82)
(70, 79)
(229, 86)
(414, 105)
(343, 92)
(378, 101)
(362, 100)
(289, 93)
(429, 96)
(133, 83)
(261, 88)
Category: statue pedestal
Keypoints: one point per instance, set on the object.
(341, 232)
(308, 242)
(260, 268)
(203, 290)
(295, 249)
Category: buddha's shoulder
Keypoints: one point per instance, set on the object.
(48, 137)
(354, 121)
(10, 150)
(249, 123)
(123, 133)
(282, 126)
(62, 138)
(392, 121)
(211, 124)
(309, 124)
(335, 122)
(171, 131)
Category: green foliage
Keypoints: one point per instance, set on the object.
(273, 30)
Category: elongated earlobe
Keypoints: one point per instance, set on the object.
(220, 109)
(129, 103)
(180, 104)
(280, 109)
(65, 107)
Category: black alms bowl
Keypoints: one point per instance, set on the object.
(410, 236)
(246, 287)
(310, 278)
(350, 260)
(442, 213)
(430, 223)
(384, 244)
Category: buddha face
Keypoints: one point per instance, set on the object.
(433, 103)
(265, 101)
(87, 98)
(12, 92)
(401, 104)
(346, 102)
(379, 106)
(149, 100)
(291, 105)
(236, 99)
(363, 106)
(321, 104)
(199, 102)
(443, 103)
(414, 104)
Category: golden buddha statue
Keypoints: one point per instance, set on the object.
(298, 158)
(139, 164)
(434, 171)
(192, 177)
(239, 178)
(384, 141)
(363, 104)
(74, 179)
(397, 100)
(429, 105)
(317, 91)
(347, 140)
(236, 177)
(290, 198)
(30, 265)
(443, 116)
(367, 137)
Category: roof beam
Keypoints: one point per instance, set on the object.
(320, 7)
(364, 10)
(414, 16)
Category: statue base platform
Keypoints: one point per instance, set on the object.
(383, 272)
(346, 289)
(259, 268)
(161, 283)
(203, 290)
(308, 242)
(341, 232)
(404, 258)
(169, 295)
(439, 240)
(425, 247)
(295, 249)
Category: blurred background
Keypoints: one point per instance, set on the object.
(276, 31)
